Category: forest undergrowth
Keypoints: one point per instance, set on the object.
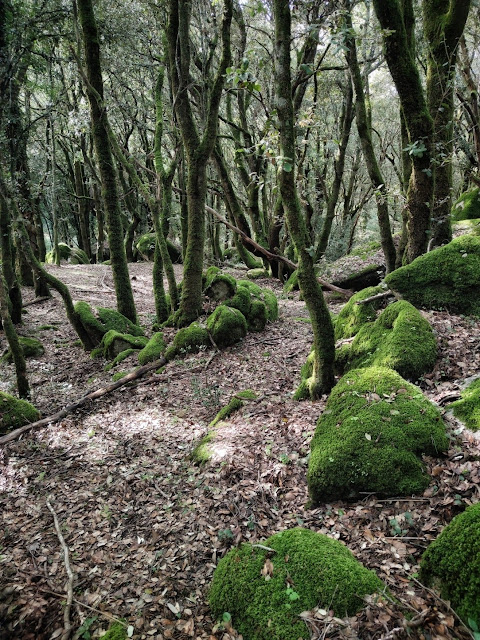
(145, 527)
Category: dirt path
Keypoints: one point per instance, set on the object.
(145, 527)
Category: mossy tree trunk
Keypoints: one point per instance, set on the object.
(14, 292)
(395, 17)
(83, 209)
(123, 289)
(364, 128)
(443, 25)
(198, 147)
(323, 336)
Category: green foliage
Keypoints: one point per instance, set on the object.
(452, 562)
(445, 278)
(467, 409)
(227, 326)
(400, 338)
(264, 592)
(15, 413)
(371, 436)
(153, 349)
(31, 348)
(353, 316)
(467, 207)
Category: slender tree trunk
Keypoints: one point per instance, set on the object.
(323, 337)
(83, 209)
(13, 342)
(123, 289)
(365, 135)
(8, 263)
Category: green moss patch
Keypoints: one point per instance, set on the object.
(188, 340)
(114, 343)
(15, 413)
(467, 409)
(64, 251)
(31, 347)
(452, 563)
(153, 349)
(106, 320)
(265, 591)
(400, 338)
(467, 207)
(445, 278)
(116, 632)
(227, 326)
(303, 391)
(254, 274)
(371, 436)
(353, 316)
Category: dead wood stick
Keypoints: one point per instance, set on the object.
(274, 256)
(105, 614)
(94, 395)
(36, 301)
(378, 296)
(67, 625)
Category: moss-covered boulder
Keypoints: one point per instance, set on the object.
(219, 286)
(267, 297)
(254, 274)
(31, 348)
(227, 326)
(15, 413)
(114, 343)
(146, 248)
(452, 564)
(306, 373)
(401, 338)
(467, 207)
(152, 351)
(63, 249)
(368, 276)
(241, 301)
(371, 437)
(188, 340)
(353, 316)
(106, 320)
(467, 409)
(445, 278)
(78, 256)
(265, 591)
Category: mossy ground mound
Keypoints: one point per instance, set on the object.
(106, 320)
(400, 338)
(353, 316)
(227, 326)
(153, 349)
(15, 413)
(452, 563)
(467, 409)
(265, 592)
(445, 278)
(31, 348)
(370, 438)
(467, 207)
(74, 255)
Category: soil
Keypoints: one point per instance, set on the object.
(145, 527)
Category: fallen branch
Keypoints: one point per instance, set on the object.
(378, 296)
(67, 625)
(36, 301)
(94, 395)
(105, 614)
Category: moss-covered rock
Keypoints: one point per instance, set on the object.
(401, 338)
(219, 286)
(466, 227)
(445, 278)
(117, 631)
(264, 295)
(353, 316)
(63, 249)
(467, 207)
(452, 563)
(227, 326)
(368, 276)
(15, 413)
(120, 358)
(107, 320)
(114, 343)
(188, 340)
(265, 591)
(78, 256)
(306, 373)
(241, 301)
(370, 438)
(146, 248)
(153, 349)
(254, 274)
(31, 347)
(467, 409)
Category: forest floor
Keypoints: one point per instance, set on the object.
(145, 527)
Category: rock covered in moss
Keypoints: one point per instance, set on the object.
(106, 320)
(303, 390)
(123, 355)
(371, 436)
(467, 409)
(153, 349)
(146, 247)
(254, 274)
(368, 276)
(114, 343)
(31, 348)
(445, 278)
(227, 326)
(401, 338)
(241, 301)
(265, 591)
(15, 413)
(117, 631)
(452, 563)
(257, 317)
(78, 256)
(467, 207)
(188, 340)
(353, 316)
(64, 251)
(219, 286)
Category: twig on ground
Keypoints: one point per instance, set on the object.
(67, 625)
(378, 296)
(36, 301)
(105, 614)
